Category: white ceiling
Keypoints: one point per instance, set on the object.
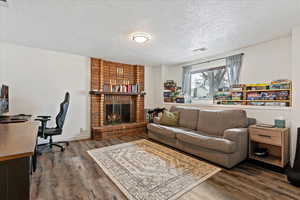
(100, 28)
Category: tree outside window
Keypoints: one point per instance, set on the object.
(205, 83)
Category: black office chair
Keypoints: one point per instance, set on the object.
(45, 132)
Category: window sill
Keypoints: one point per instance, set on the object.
(231, 106)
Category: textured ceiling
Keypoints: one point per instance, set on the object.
(100, 28)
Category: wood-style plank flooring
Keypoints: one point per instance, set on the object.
(73, 175)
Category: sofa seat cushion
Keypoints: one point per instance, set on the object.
(166, 131)
(209, 142)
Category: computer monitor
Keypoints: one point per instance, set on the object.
(4, 100)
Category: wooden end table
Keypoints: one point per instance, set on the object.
(276, 140)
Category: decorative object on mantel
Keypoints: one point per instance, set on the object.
(147, 170)
(275, 93)
(96, 92)
(120, 71)
(124, 87)
(117, 99)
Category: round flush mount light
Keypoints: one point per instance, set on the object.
(140, 37)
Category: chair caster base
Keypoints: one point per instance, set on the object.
(49, 146)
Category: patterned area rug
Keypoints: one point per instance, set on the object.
(144, 170)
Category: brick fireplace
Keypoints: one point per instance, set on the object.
(117, 99)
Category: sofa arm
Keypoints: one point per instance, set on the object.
(233, 134)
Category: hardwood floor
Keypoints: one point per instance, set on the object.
(73, 175)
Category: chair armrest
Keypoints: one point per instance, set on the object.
(43, 126)
(44, 116)
(42, 119)
(233, 134)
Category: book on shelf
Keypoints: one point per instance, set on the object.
(129, 88)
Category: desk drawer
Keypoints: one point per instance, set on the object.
(266, 136)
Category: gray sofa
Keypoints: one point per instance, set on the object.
(220, 136)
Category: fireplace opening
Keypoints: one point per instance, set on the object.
(117, 113)
(118, 110)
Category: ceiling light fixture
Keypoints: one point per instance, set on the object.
(200, 49)
(4, 3)
(140, 37)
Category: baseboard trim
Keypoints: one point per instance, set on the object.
(83, 136)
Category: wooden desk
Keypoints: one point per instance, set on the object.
(17, 146)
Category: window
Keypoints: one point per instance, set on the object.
(204, 83)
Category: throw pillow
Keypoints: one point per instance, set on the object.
(169, 118)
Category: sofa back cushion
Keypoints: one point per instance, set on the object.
(215, 122)
(174, 109)
(188, 116)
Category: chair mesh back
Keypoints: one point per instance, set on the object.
(61, 116)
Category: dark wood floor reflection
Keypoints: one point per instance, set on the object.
(73, 175)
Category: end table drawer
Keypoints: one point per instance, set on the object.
(266, 136)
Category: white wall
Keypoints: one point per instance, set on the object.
(153, 86)
(2, 25)
(149, 98)
(38, 80)
(1, 62)
(1, 47)
(295, 115)
(262, 62)
(267, 61)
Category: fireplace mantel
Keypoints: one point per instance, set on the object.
(111, 79)
(115, 93)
